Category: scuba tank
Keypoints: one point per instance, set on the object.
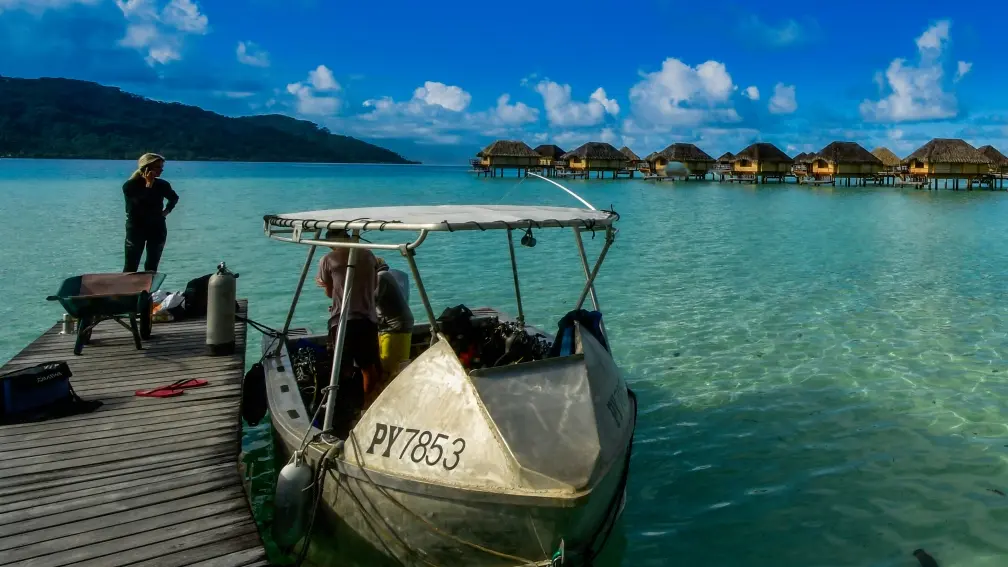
(221, 303)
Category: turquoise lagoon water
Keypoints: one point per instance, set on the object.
(821, 372)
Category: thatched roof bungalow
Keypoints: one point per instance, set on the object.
(845, 159)
(947, 158)
(506, 154)
(630, 156)
(998, 161)
(695, 160)
(549, 154)
(887, 157)
(595, 156)
(726, 157)
(762, 158)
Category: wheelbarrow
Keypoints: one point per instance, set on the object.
(93, 298)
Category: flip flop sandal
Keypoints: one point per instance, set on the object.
(176, 388)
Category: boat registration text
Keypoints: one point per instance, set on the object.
(419, 446)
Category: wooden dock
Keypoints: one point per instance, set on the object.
(139, 481)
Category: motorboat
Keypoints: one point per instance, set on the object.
(500, 444)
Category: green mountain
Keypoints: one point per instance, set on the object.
(63, 118)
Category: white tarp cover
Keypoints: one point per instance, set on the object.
(554, 429)
(447, 217)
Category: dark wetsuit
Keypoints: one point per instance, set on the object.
(145, 223)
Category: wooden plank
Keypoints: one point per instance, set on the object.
(246, 558)
(125, 417)
(58, 487)
(234, 552)
(153, 543)
(88, 445)
(105, 415)
(129, 482)
(105, 504)
(107, 531)
(157, 460)
(44, 464)
(45, 443)
(197, 501)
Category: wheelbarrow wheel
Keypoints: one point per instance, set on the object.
(146, 320)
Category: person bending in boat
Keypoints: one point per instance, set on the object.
(395, 322)
(146, 211)
(361, 343)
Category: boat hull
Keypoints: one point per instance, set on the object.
(396, 521)
(545, 460)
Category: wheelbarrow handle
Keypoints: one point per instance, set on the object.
(52, 298)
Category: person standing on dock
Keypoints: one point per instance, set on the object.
(146, 211)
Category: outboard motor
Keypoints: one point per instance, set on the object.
(292, 502)
(221, 296)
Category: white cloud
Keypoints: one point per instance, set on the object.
(935, 37)
(917, 92)
(961, 69)
(185, 16)
(514, 114)
(680, 95)
(752, 93)
(308, 101)
(159, 31)
(449, 97)
(251, 54)
(321, 78)
(783, 100)
(562, 111)
(787, 32)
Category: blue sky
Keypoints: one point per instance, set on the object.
(436, 83)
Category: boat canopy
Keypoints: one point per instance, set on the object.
(446, 218)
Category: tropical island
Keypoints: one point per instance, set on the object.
(65, 118)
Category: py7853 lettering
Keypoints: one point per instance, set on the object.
(418, 445)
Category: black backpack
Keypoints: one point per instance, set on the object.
(456, 324)
(196, 296)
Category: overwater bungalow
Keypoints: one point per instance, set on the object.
(759, 162)
(634, 162)
(507, 154)
(722, 166)
(998, 164)
(549, 159)
(599, 157)
(890, 161)
(949, 159)
(695, 162)
(800, 167)
(845, 160)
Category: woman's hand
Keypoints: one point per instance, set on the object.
(149, 176)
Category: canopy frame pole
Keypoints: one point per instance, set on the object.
(584, 266)
(409, 254)
(514, 272)
(340, 338)
(610, 238)
(297, 296)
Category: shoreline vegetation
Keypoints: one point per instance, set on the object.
(53, 118)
